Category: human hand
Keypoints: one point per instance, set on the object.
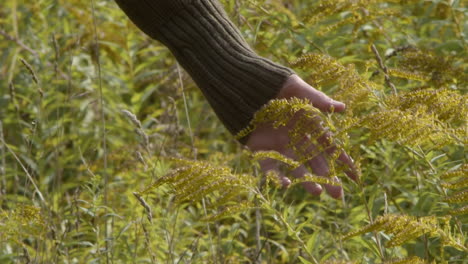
(267, 138)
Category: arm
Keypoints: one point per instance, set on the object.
(235, 80)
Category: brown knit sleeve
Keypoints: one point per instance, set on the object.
(235, 80)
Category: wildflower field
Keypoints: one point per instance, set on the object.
(109, 153)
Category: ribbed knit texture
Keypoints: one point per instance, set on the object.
(235, 80)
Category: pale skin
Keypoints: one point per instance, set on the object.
(266, 137)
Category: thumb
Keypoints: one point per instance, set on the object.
(323, 102)
(296, 87)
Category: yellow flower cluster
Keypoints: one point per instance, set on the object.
(408, 75)
(195, 180)
(405, 228)
(279, 113)
(446, 105)
(356, 13)
(317, 179)
(410, 260)
(339, 262)
(407, 127)
(354, 90)
(261, 155)
(441, 71)
(435, 117)
(22, 222)
(457, 180)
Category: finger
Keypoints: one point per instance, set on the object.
(326, 140)
(344, 159)
(314, 132)
(352, 171)
(305, 142)
(317, 158)
(311, 187)
(334, 190)
(271, 165)
(320, 167)
(306, 120)
(324, 102)
(296, 87)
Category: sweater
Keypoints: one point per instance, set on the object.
(235, 80)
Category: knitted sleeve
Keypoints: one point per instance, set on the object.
(234, 79)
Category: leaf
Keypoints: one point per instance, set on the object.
(304, 261)
(312, 242)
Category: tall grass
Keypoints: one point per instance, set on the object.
(83, 181)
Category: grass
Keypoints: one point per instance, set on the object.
(74, 167)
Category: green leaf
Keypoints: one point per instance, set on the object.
(304, 261)
(312, 242)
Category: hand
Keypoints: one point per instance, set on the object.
(267, 138)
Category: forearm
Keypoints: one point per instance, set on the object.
(234, 79)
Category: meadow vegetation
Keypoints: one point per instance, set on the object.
(110, 154)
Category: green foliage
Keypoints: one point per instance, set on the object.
(83, 181)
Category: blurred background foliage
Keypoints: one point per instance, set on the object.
(75, 169)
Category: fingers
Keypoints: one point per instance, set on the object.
(344, 159)
(319, 167)
(271, 165)
(317, 161)
(311, 187)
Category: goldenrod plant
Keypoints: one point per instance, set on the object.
(109, 153)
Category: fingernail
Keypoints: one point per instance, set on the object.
(340, 104)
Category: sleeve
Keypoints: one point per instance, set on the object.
(234, 79)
